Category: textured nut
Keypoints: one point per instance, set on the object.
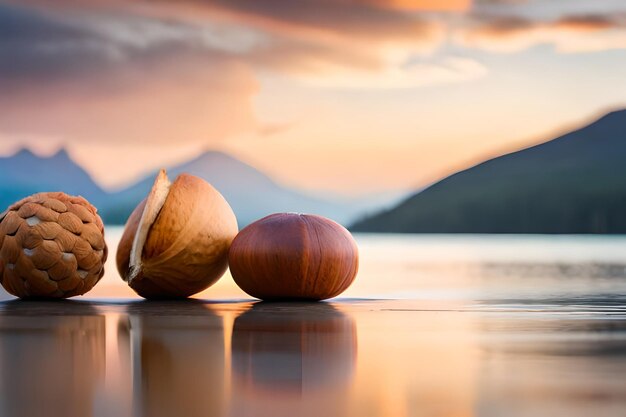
(51, 246)
(70, 222)
(10, 223)
(176, 242)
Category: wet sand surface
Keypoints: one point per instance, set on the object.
(349, 357)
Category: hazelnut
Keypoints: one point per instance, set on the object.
(289, 256)
(176, 241)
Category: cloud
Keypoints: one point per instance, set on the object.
(310, 35)
(568, 34)
(408, 75)
(303, 40)
(35, 46)
(391, 20)
(118, 80)
(360, 19)
(500, 2)
(119, 72)
(152, 72)
(346, 45)
(425, 5)
(546, 9)
(61, 43)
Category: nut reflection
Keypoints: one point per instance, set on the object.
(52, 358)
(178, 359)
(293, 358)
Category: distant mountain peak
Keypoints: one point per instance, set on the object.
(25, 173)
(213, 154)
(23, 152)
(218, 162)
(61, 154)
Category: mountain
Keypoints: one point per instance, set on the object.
(25, 173)
(251, 193)
(575, 183)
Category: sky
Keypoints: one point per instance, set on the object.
(343, 96)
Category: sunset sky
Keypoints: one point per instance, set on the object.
(349, 96)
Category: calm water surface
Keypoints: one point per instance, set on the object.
(433, 326)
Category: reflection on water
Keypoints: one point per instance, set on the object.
(443, 326)
(52, 359)
(553, 365)
(563, 356)
(178, 359)
(292, 358)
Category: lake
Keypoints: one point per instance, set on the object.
(434, 325)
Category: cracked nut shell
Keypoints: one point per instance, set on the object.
(176, 242)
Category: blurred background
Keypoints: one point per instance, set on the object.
(386, 115)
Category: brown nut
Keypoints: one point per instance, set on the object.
(51, 246)
(290, 256)
(176, 241)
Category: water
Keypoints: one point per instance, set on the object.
(433, 326)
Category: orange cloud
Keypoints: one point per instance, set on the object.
(590, 23)
(425, 5)
(569, 34)
(361, 44)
